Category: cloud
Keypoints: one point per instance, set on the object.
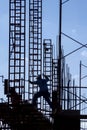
(84, 53)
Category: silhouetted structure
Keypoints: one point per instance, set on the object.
(18, 112)
(23, 116)
(67, 119)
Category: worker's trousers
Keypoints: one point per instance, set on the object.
(46, 96)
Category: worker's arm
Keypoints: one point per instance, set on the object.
(46, 77)
(34, 82)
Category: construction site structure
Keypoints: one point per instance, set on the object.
(18, 112)
(17, 44)
(47, 69)
(35, 44)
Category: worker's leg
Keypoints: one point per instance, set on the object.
(46, 95)
(36, 96)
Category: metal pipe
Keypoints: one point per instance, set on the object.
(59, 62)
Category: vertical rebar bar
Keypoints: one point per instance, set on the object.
(59, 63)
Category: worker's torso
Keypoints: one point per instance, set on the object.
(42, 83)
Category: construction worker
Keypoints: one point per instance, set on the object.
(42, 83)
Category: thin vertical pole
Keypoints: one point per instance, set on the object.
(59, 63)
(73, 93)
(80, 85)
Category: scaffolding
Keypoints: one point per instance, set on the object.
(17, 18)
(64, 94)
(35, 45)
(47, 70)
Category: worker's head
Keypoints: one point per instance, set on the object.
(39, 77)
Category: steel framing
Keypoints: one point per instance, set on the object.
(47, 69)
(17, 18)
(69, 96)
(35, 44)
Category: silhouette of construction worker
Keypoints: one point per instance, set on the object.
(42, 83)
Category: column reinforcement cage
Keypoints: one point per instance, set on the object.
(47, 69)
(17, 18)
(35, 44)
(55, 74)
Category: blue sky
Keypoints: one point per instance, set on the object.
(3, 41)
(74, 25)
(74, 22)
